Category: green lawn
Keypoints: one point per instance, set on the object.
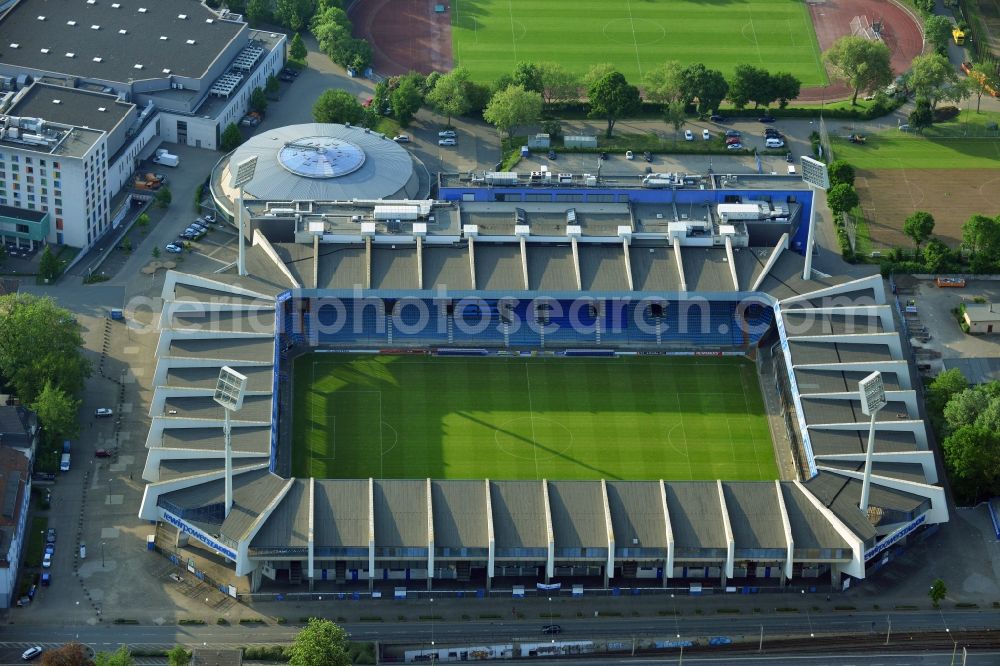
(490, 36)
(901, 150)
(641, 417)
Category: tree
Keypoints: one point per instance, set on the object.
(964, 408)
(663, 84)
(708, 86)
(972, 458)
(120, 657)
(528, 76)
(921, 117)
(258, 11)
(70, 654)
(163, 197)
(294, 14)
(612, 97)
(48, 265)
(785, 88)
(407, 99)
(861, 63)
(449, 97)
(841, 198)
(258, 100)
(57, 412)
(931, 76)
(983, 79)
(231, 138)
(841, 171)
(337, 106)
(297, 49)
(937, 592)
(748, 84)
(320, 643)
(937, 30)
(178, 656)
(597, 72)
(981, 235)
(943, 387)
(936, 256)
(271, 86)
(558, 83)
(919, 225)
(511, 107)
(156, 252)
(675, 115)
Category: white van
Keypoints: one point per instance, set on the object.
(774, 142)
(64, 463)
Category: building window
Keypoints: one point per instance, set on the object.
(59, 223)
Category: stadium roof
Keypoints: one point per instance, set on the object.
(93, 30)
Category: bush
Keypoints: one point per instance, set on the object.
(265, 653)
(945, 113)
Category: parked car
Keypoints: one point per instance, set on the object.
(102, 453)
(716, 118)
(31, 653)
(290, 72)
(50, 549)
(770, 131)
(401, 138)
(47, 560)
(766, 119)
(447, 142)
(603, 155)
(732, 133)
(629, 155)
(50, 535)
(735, 146)
(552, 154)
(173, 249)
(103, 412)
(789, 158)
(733, 139)
(46, 579)
(209, 217)
(551, 629)
(198, 226)
(447, 134)
(83, 550)
(688, 135)
(648, 156)
(706, 135)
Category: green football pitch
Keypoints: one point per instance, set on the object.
(644, 417)
(489, 37)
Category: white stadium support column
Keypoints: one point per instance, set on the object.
(730, 540)
(609, 567)
(430, 534)
(786, 572)
(371, 534)
(550, 540)
(668, 565)
(491, 557)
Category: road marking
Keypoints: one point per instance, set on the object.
(635, 41)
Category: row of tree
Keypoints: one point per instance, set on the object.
(967, 421)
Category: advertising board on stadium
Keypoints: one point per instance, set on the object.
(198, 534)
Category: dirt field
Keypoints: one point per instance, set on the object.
(406, 35)
(950, 195)
(832, 18)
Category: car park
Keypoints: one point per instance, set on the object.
(706, 135)
(766, 119)
(31, 653)
(688, 135)
(551, 629)
(629, 155)
(447, 142)
(50, 535)
(447, 134)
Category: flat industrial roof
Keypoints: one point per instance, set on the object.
(192, 45)
(71, 106)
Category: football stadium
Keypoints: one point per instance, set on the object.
(630, 383)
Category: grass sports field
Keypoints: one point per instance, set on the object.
(490, 36)
(645, 417)
(893, 149)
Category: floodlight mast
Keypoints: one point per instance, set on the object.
(816, 175)
(242, 175)
(872, 393)
(229, 392)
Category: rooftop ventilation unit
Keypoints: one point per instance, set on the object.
(41, 18)
(91, 2)
(166, 71)
(208, 20)
(137, 66)
(98, 59)
(15, 45)
(123, 31)
(70, 22)
(182, 17)
(95, 27)
(115, 5)
(190, 41)
(163, 38)
(142, 10)
(44, 50)
(102, 109)
(57, 101)
(70, 54)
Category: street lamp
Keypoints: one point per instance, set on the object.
(229, 392)
(102, 554)
(872, 393)
(433, 650)
(241, 176)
